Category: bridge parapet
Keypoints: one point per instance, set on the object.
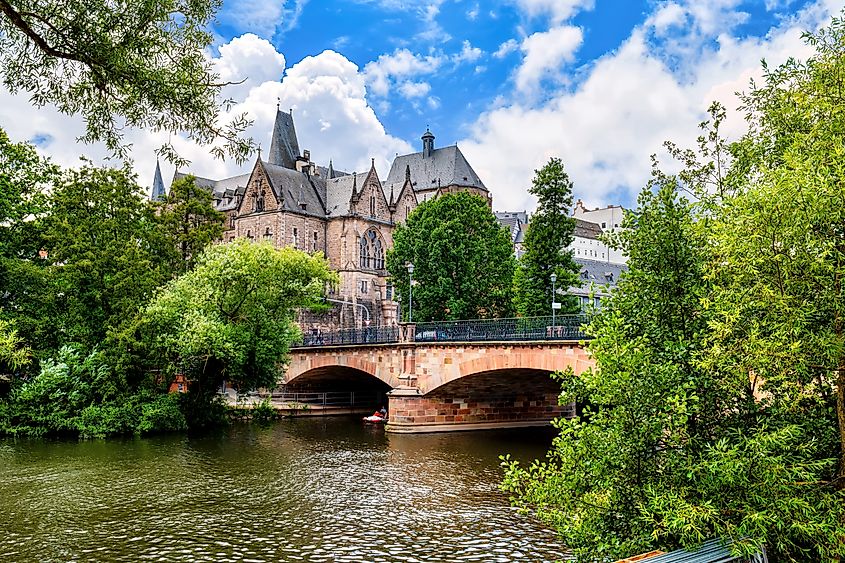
(522, 329)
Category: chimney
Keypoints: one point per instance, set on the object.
(428, 143)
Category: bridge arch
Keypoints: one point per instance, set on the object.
(333, 366)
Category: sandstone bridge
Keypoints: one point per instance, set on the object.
(457, 375)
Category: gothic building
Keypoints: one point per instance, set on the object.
(289, 200)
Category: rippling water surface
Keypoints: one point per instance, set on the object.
(310, 490)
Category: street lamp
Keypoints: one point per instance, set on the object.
(554, 279)
(410, 267)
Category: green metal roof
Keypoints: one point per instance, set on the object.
(713, 551)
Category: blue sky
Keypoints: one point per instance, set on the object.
(598, 83)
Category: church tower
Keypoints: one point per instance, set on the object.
(284, 148)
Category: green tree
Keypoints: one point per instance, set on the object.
(549, 234)
(140, 64)
(189, 219)
(463, 260)
(106, 253)
(14, 353)
(715, 410)
(232, 317)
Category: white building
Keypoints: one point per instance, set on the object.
(608, 219)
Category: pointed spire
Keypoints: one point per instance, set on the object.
(330, 172)
(284, 147)
(407, 172)
(158, 193)
(354, 182)
(391, 195)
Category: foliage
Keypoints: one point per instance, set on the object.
(14, 353)
(463, 260)
(718, 409)
(231, 317)
(189, 219)
(105, 251)
(76, 395)
(547, 239)
(140, 64)
(263, 412)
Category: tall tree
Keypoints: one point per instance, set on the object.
(549, 234)
(189, 219)
(140, 64)
(463, 260)
(106, 253)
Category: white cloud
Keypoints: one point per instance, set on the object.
(558, 10)
(468, 54)
(628, 103)
(263, 17)
(545, 53)
(506, 48)
(414, 89)
(398, 66)
(472, 13)
(327, 93)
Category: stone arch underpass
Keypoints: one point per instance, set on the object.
(447, 386)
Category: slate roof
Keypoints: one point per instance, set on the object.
(446, 166)
(586, 229)
(339, 192)
(158, 192)
(597, 273)
(295, 188)
(284, 147)
(226, 192)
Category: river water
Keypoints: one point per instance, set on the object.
(310, 490)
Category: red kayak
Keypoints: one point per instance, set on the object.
(374, 418)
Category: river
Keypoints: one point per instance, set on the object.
(308, 490)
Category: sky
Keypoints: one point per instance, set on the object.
(599, 84)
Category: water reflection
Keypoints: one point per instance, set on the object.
(302, 490)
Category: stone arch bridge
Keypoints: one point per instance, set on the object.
(458, 375)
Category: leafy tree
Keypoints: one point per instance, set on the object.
(463, 260)
(549, 234)
(105, 250)
(232, 317)
(14, 353)
(189, 219)
(715, 410)
(140, 64)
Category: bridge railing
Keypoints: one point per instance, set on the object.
(368, 335)
(564, 327)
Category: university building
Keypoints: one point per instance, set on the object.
(290, 200)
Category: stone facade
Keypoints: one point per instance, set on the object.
(291, 201)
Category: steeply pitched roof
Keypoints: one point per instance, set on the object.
(226, 192)
(158, 192)
(296, 188)
(446, 166)
(339, 192)
(284, 147)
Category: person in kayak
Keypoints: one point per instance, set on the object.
(383, 412)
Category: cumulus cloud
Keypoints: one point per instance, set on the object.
(263, 17)
(392, 68)
(506, 48)
(327, 93)
(468, 53)
(628, 103)
(558, 10)
(545, 52)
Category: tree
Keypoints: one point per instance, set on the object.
(232, 317)
(105, 252)
(715, 410)
(189, 219)
(549, 234)
(139, 64)
(14, 353)
(463, 260)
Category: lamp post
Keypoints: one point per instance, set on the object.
(554, 279)
(410, 267)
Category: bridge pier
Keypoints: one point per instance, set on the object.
(411, 412)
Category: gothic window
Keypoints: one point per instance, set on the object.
(372, 206)
(363, 286)
(388, 291)
(407, 212)
(267, 234)
(372, 251)
(295, 238)
(314, 243)
(232, 221)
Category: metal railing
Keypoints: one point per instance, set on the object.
(369, 335)
(564, 327)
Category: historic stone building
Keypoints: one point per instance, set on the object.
(291, 201)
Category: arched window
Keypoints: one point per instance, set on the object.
(372, 251)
